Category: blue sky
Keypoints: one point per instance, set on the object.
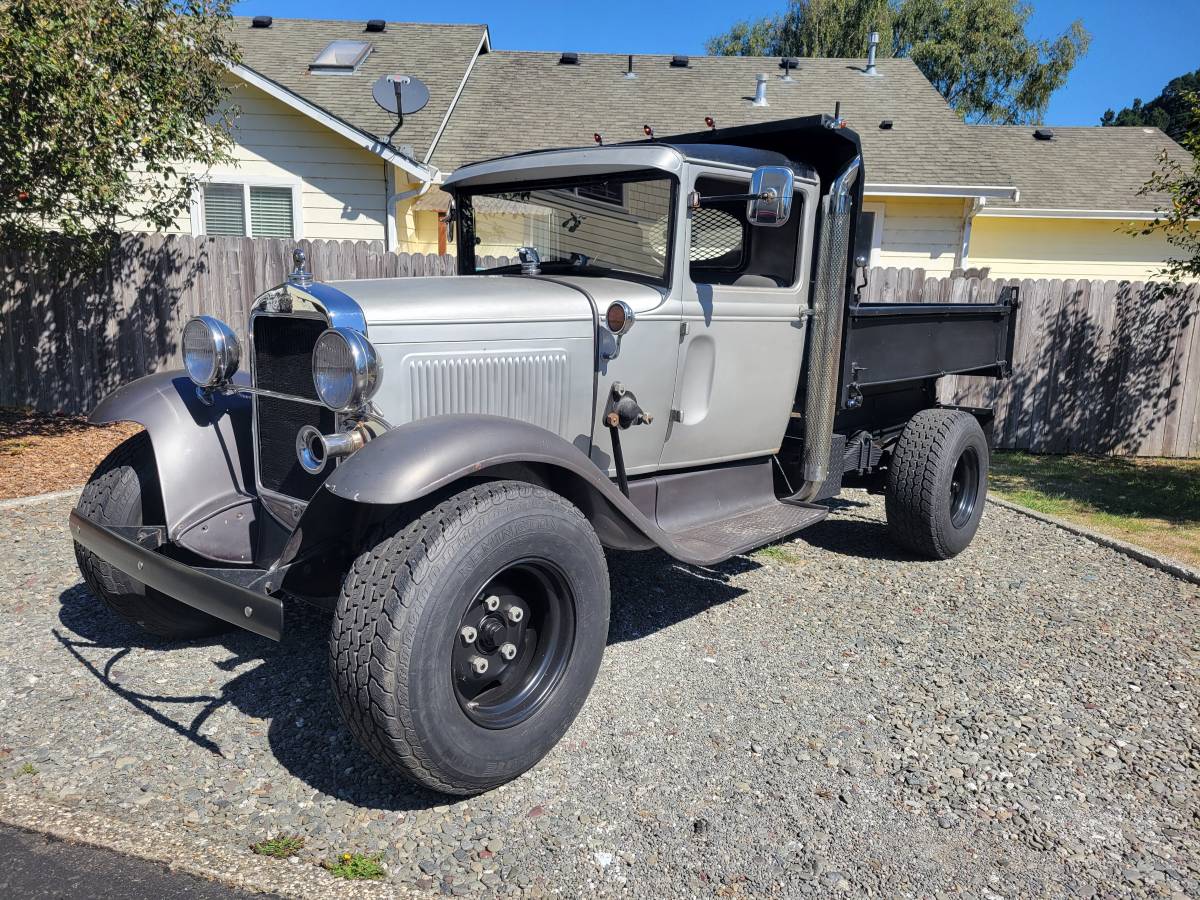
(1136, 47)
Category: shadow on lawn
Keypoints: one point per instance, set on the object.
(287, 684)
(1113, 486)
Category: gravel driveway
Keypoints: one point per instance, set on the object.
(826, 716)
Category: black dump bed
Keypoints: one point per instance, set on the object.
(893, 343)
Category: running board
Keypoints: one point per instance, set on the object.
(745, 531)
(705, 516)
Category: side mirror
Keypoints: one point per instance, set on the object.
(770, 203)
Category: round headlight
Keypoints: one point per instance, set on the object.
(345, 369)
(210, 351)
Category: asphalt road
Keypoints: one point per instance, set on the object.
(33, 866)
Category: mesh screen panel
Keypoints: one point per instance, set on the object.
(283, 349)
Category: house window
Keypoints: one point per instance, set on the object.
(604, 191)
(224, 209)
(870, 233)
(257, 210)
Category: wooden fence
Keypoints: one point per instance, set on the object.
(1101, 366)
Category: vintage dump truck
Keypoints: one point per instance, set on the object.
(675, 359)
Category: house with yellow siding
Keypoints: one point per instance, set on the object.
(317, 157)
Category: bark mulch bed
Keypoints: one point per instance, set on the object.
(44, 452)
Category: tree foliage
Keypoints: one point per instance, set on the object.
(975, 52)
(103, 101)
(1178, 177)
(1169, 110)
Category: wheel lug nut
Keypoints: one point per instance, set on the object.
(508, 651)
(492, 603)
(479, 665)
(515, 614)
(469, 634)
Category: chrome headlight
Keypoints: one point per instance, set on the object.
(345, 369)
(211, 352)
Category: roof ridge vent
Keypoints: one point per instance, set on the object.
(1044, 134)
(261, 22)
(375, 26)
(679, 61)
(569, 59)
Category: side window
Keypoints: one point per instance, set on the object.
(726, 249)
(718, 239)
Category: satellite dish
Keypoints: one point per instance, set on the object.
(413, 94)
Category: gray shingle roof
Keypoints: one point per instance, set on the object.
(437, 54)
(1082, 167)
(517, 101)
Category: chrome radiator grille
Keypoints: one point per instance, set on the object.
(283, 348)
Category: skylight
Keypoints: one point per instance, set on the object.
(340, 57)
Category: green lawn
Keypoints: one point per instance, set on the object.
(1154, 503)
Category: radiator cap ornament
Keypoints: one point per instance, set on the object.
(299, 276)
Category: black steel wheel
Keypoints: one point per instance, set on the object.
(513, 644)
(964, 487)
(937, 482)
(465, 642)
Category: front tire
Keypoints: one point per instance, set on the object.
(434, 672)
(124, 490)
(937, 483)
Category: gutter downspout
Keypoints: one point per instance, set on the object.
(825, 344)
(391, 239)
(970, 207)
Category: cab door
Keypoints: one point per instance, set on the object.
(742, 330)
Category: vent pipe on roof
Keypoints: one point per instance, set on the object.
(872, 44)
(629, 73)
(760, 89)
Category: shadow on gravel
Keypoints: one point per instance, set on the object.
(651, 591)
(853, 536)
(286, 685)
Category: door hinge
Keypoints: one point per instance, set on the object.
(676, 415)
(683, 329)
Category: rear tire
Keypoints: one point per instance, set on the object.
(937, 483)
(432, 598)
(124, 490)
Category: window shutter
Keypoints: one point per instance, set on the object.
(271, 212)
(224, 209)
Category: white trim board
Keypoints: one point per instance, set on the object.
(1024, 213)
(986, 192)
(369, 143)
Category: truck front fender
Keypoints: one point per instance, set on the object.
(204, 454)
(412, 461)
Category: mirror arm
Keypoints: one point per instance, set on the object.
(695, 201)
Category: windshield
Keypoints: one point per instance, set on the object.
(612, 226)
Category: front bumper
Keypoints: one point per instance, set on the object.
(212, 591)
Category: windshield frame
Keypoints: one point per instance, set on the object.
(465, 235)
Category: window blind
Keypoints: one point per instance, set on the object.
(271, 212)
(224, 209)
